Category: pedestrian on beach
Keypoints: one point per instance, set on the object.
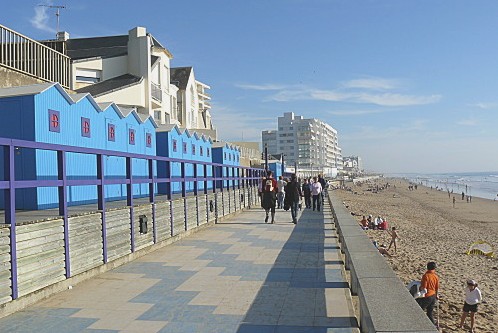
(316, 190)
(454, 202)
(269, 196)
(364, 223)
(473, 297)
(463, 195)
(394, 236)
(293, 195)
(430, 282)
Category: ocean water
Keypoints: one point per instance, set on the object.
(476, 184)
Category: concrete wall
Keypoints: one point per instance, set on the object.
(385, 305)
(41, 260)
(10, 78)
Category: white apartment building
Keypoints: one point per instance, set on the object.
(131, 70)
(193, 108)
(311, 144)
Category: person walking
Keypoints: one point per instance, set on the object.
(322, 182)
(394, 237)
(269, 196)
(307, 193)
(281, 192)
(293, 195)
(473, 297)
(430, 282)
(316, 190)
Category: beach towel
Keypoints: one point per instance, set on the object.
(413, 287)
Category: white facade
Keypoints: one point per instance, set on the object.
(311, 144)
(153, 94)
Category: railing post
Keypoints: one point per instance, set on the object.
(10, 215)
(169, 192)
(61, 171)
(152, 198)
(129, 200)
(101, 203)
(184, 191)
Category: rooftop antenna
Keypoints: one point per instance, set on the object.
(57, 14)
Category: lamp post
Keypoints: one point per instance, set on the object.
(283, 165)
(266, 158)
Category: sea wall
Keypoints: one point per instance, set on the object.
(42, 262)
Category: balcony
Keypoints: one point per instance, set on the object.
(25, 55)
(156, 92)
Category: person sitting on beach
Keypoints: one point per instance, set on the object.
(370, 222)
(378, 220)
(473, 297)
(394, 236)
(383, 225)
(381, 248)
(364, 223)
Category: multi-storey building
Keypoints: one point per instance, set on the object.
(193, 99)
(310, 144)
(353, 164)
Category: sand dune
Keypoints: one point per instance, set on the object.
(432, 230)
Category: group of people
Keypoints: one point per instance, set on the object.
(429, 289)
(287, 193)
(378, 223)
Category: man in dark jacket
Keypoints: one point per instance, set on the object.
(322, 182)
(307, 193)
(293, 195)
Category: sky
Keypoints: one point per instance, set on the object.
(410, 86)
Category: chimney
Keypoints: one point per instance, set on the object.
(62, 35)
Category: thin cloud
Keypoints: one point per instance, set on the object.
(41, 20)
(388, 99)
(356, 112)
(263, 87)
(485, 106)
(372, 84)
(467, 122)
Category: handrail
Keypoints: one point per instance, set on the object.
(28, 56)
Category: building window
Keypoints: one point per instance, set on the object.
(174, 146)
(225, 156)
(201, 151)
(193, 149)
(85, 127)
(131, 135)
(208, 152)
(229, 157)
(54, 124)
(111, 132)
(148, 140)
(184, 147)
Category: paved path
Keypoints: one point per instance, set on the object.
(241, 276)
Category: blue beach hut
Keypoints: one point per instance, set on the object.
(47, 113)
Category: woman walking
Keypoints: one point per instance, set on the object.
(472, 298)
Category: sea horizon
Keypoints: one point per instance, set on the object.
(482, 184)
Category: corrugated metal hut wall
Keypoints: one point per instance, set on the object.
(83, 124)
(220, 156)
(188, 154)
(17, 122)
(209, 158)
(170, 144)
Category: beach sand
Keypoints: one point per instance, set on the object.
(430, 229)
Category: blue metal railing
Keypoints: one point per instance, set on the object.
(241, 177)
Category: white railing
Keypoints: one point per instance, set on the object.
(30, 57)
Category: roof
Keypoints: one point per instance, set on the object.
(105, 47)
(106, 86)
(33, 89)
(179, 76)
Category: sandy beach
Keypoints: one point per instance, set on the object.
(431, 229)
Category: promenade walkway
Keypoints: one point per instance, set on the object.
(241, 275)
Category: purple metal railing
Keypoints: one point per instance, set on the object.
(244, 176)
